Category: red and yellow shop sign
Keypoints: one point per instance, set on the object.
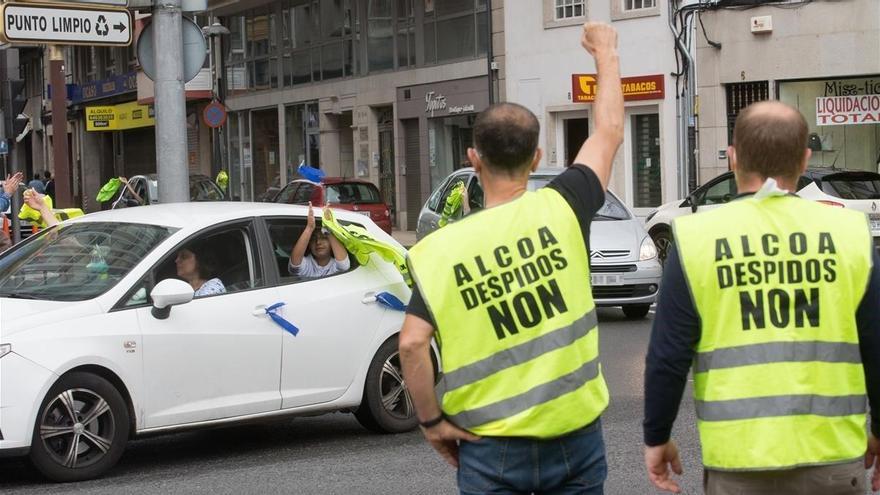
(119, 117)
(583, 87)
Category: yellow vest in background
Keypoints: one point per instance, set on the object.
(509, 290)
(778, 378)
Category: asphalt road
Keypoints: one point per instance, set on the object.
(332, 454)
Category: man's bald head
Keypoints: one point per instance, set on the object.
(770, 139)
(506, 137)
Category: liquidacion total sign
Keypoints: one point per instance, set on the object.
(843, 110)
(66, 24)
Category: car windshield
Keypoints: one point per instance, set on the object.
(353, 193)
(852, 185)
(613, 209)
(78, 261)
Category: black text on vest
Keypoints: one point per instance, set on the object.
(513, 284)
(771, 291)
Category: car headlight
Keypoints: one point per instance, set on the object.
(5, 349)
(647, 251)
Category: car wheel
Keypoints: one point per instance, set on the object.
(663, 242)
(635, 311)
(81, 429)
(387, 406)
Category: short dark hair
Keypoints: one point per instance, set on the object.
(770, 139)
(506, 137)
(37, 176)
(47, 174)
(206, 260)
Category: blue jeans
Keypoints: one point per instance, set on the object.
(574, 463)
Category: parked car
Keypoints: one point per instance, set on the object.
(623, 262)
(356, 195)
(201, 188)
(859, 190)
(101, 343)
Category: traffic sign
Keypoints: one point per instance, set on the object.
(68, 24)
(215, 114)
(195, 48)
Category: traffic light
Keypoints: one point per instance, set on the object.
(14, 102)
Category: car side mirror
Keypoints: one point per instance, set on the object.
(167, 293)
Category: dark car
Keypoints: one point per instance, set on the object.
(348, 194)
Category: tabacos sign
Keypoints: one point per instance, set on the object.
(584, 86)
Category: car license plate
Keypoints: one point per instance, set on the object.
(875, 221)
(364, 213)
(606, 279)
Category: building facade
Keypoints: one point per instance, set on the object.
(548, 71)
(355, 88)
(821, 57)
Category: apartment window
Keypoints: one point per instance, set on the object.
(569, 9)
(560, 13)
(631, 9)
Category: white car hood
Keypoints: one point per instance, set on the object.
(17, 315)
(606, 235)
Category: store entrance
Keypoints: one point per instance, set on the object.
(576, 132)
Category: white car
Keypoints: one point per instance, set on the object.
(859, 190)
(100, 343)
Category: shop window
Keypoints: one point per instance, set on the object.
(647, 169)
(559, 13)
(840, 136)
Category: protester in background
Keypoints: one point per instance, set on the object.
(37, 201)
(49, 184)
(37, 184)
(9, 188)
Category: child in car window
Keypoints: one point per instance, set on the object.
(326, 254)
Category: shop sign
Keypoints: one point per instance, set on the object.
(457, 109)
(119, 117)
(107, 87)
(583, 87)
(848, 110)
(434, 102)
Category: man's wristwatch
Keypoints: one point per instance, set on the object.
(432, 422)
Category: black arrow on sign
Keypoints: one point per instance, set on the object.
(119, 27)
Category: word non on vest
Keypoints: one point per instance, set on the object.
(507, 291)
(777, 278)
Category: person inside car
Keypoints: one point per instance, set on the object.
(326, 255)
(197, 265)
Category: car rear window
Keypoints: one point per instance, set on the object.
(852, 185)
(353, 192)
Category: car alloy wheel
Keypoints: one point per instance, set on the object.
(77, 428)
(395, 396)
(663, 242)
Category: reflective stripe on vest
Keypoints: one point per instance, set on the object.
(516, 322)
(778, 380)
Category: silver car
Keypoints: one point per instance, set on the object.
(624, 267)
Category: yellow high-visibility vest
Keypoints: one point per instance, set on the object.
(509, 290)
(778, 377)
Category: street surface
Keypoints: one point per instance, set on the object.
(332, 454)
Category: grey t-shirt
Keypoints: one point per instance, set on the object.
(309, 268)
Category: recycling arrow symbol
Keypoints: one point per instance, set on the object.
(101, 26)
(119, 27)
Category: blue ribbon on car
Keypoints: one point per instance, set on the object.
(272, 311)
(391, 301)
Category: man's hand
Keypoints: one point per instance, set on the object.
(444, 437)
(310, 221)
(658, 461)
(11, 184)
(872, 458)
(599, 39)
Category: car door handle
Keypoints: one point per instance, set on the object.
(259, 310)
(369, 298)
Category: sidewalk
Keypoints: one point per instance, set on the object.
(405, 237)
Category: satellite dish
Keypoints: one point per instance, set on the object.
(195, 48)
